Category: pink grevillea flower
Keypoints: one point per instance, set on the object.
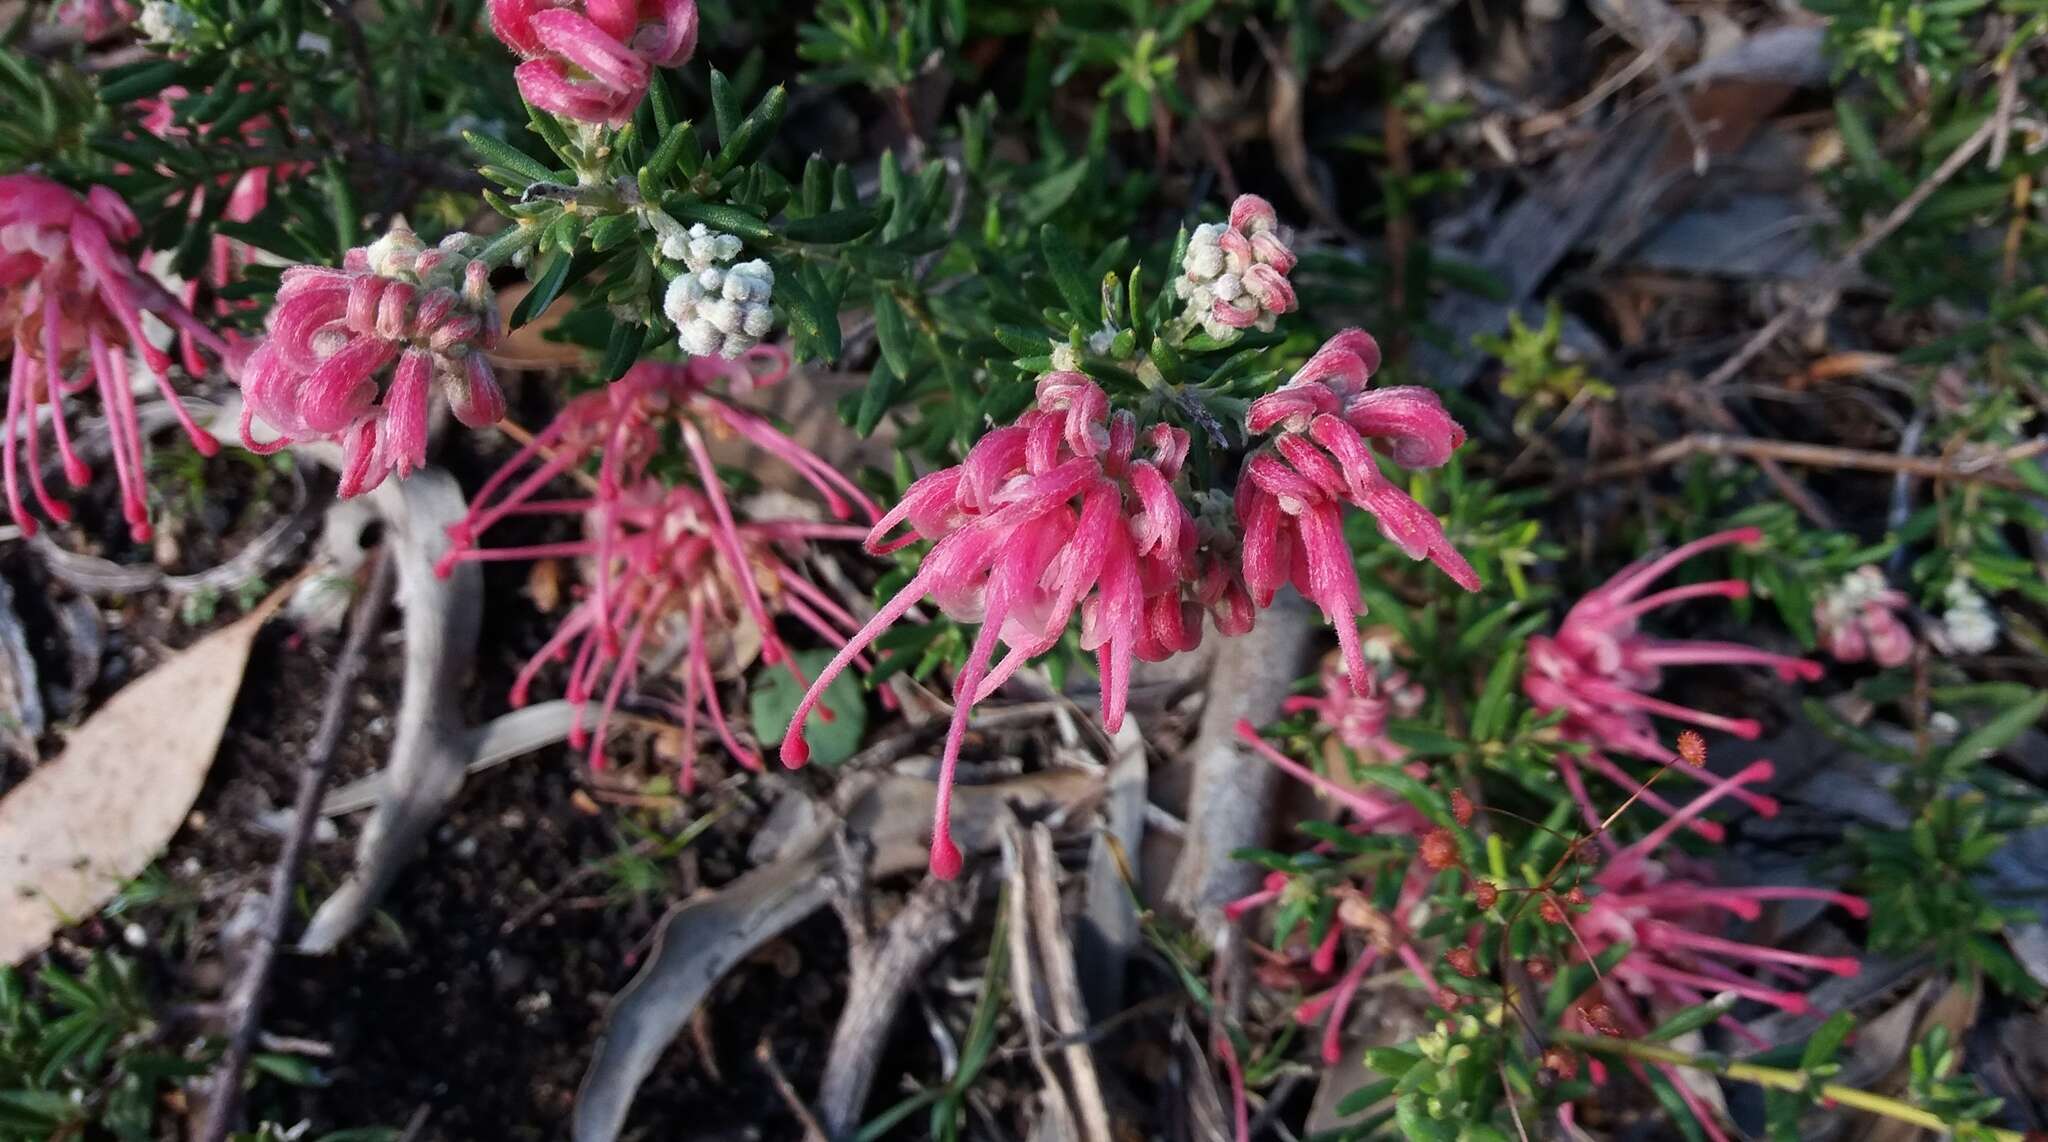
(1072, 508)
(590, 60)
(96, 19)
(71, 306)
(1234, 274)
(1859, 619)
(426, 315)
(1386, 938)
(247, 194)
(1673, 917)
(1324, 426)
(682, 578)
(1360, 720)
(1600, 670)
(622, 428)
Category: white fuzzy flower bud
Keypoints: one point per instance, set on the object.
(163, 22)
(1217, 278)
(1968, 624)
(719, 308)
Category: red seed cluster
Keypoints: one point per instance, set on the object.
(1693, 748)
(1484, 893)
(1551, 911)
(1463, 962)
(1461, 807)
(1440, 849)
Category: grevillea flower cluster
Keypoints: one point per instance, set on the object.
(1382, 936)
(1359, 720)
(95, 19)
(1071, 509)
(1322, 427)
(1234, 274)
(1601, 670)
(673, 565)
(425, 315)
(1858, 619)
(1672, 916)
(247, 194)
(591, 60)
(1968, 624)
(71, 306)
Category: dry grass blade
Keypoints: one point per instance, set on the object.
(1047, 991)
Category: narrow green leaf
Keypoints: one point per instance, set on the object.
(892, 330)
(621, 349)
(1068, 274)
(499, 153)
(730, 219)
(725, 105)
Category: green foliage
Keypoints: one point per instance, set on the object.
(1925, 888)
(882, 45)
(834, 729)
(81, 1050)
(1537, 372)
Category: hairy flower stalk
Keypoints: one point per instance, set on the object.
(1070, 509)
(355, 354)
(1234, 274)
(591, 60)
(71, 306)
(1858, 619)
(1324, 427)
(621, 427)
(1600, 670)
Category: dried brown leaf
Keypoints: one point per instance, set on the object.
(86, 823)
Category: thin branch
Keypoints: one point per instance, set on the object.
(764, 1053)
(245, 1005)
(1988, 470)
(1774, 1078)
(1831, 278)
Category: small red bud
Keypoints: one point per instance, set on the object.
(1484, 893)
(1440, 849)
(1576, 896)
(1461, 807)
(1561, 1061)
(1550, 910)
(1463, 962)
(1692, 748)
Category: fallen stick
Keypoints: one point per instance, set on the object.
(245, 1004)
(1989, 470)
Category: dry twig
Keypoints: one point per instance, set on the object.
(245, 1006)
(1989, 470)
